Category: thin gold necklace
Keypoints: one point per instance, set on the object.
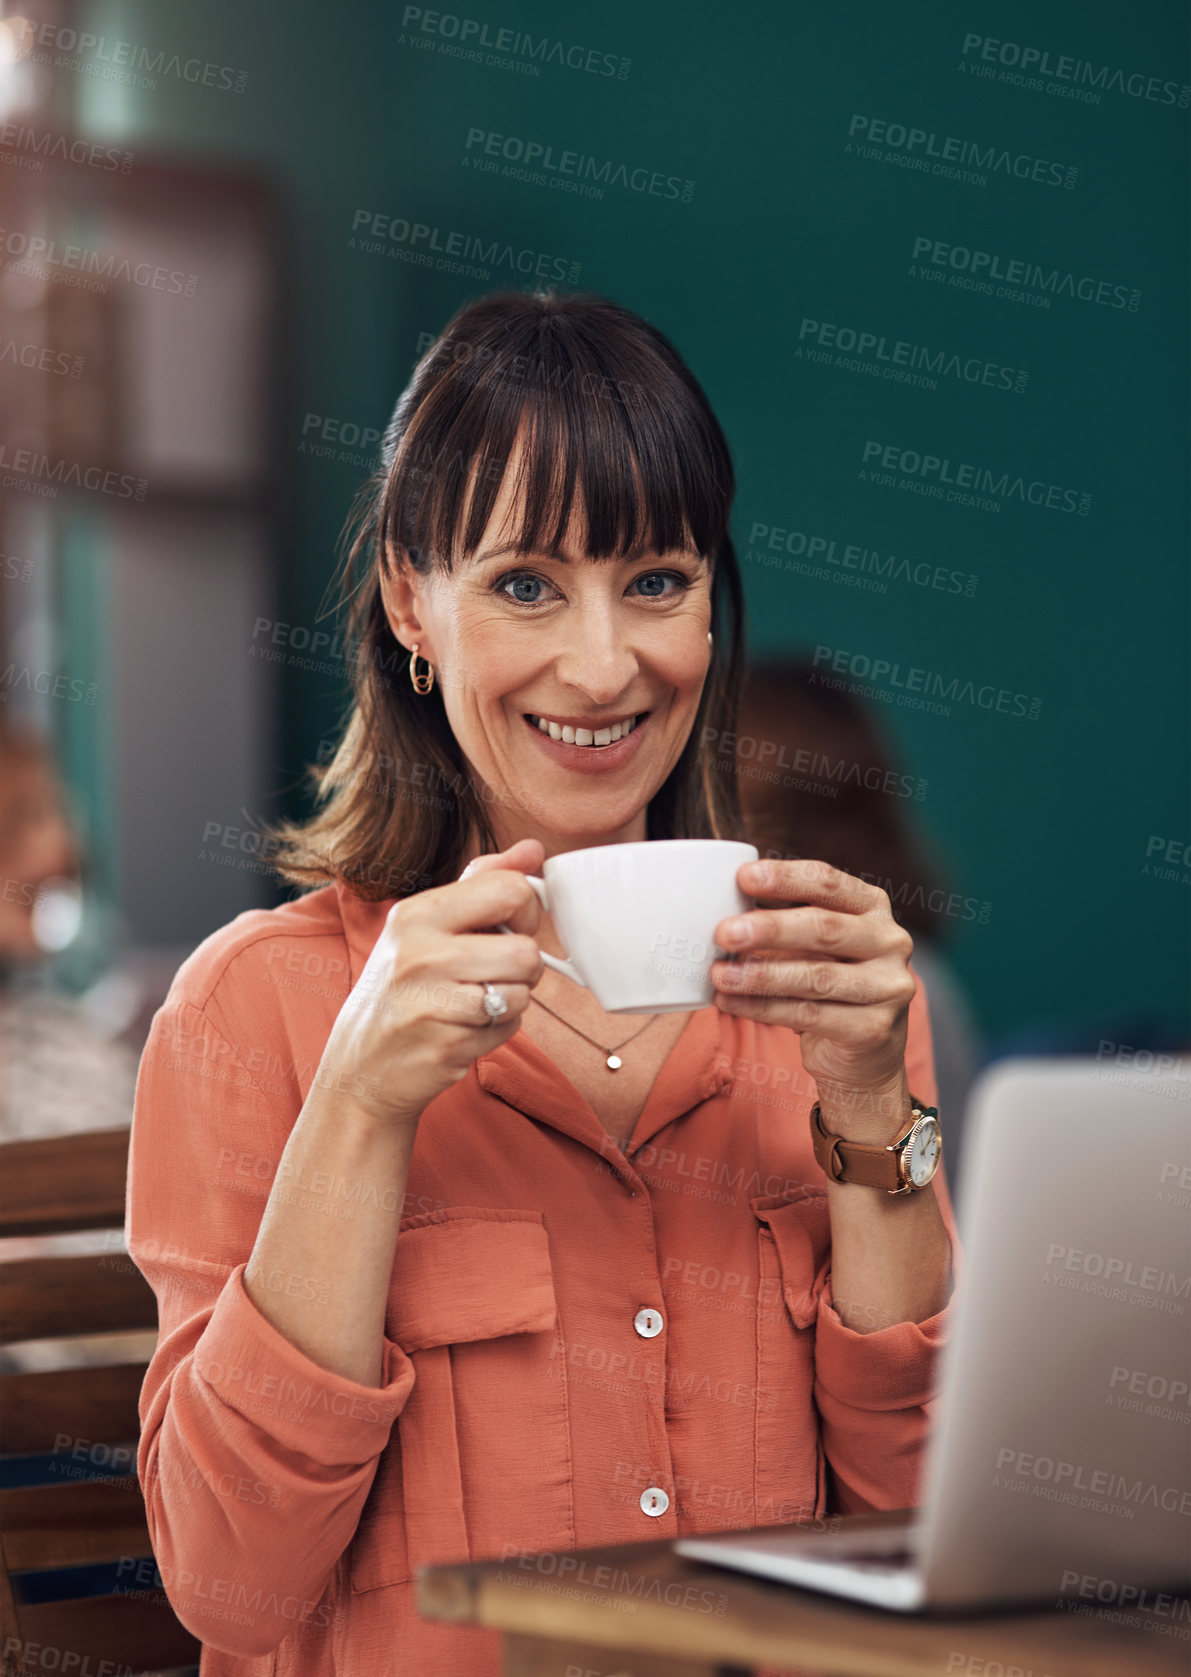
(611, 1056)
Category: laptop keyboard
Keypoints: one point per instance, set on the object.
(875, 1560)
(888, 1550)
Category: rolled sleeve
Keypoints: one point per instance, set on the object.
(893, 1367)
(874, 1394)
(255, 1461)
(255, 1464)
(245, 1364)
(890, 1368)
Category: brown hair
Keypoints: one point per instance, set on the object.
(604, 402)
(818, 778)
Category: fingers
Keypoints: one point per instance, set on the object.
(490, 894)
(418, 971)
(425, 999)
(523, 855)
(477, 956)
(526, 856)
(820, 931)
(515, 995)
(863, 1029)
(807, 881)
(527, 916)
(467, 1008)
(871, 983)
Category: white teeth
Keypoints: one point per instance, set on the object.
(585, 736)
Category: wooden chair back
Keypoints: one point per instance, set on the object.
(85, 1418)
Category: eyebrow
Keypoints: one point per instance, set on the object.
(500, 552)
(561, 558)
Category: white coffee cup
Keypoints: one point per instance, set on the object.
(637, 920)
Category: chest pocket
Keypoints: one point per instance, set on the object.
(480, 1457)
(794, 1254)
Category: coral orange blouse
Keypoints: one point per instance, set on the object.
(583, 1346)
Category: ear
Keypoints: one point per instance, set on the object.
(401, 594)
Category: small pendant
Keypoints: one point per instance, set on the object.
(613, 1062)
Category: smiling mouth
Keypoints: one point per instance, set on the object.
(595, 738)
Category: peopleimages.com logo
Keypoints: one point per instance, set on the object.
(537, 158)
(930, 685)
(32, 146)
(44, 474)
(59, 47)
(1104, 1490)
(928, 360)
(1034, 63)
(43, 258)
(952, 155)
(479, 42)
(448, 248)
(929, 473)
(979, 268)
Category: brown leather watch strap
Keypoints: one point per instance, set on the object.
(857, 1161)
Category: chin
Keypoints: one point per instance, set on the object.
(582, 815)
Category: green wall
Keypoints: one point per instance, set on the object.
(1079, 617)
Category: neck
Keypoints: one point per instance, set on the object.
(556, 844)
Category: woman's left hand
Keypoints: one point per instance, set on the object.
(834, 969)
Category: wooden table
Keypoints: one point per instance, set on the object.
(640, 1610)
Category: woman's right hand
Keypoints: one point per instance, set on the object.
(414, 1021)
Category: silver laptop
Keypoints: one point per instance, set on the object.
(1059, 1460)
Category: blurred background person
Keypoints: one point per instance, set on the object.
(818, 778)
(65, 1061)
(62, 1065)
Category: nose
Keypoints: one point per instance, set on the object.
(596, 656)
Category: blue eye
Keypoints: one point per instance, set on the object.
(653, 576)
(517, 577)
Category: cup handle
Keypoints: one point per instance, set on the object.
(564, 967)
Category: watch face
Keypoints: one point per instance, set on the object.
(924, 1153)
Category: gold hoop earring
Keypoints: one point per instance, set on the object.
(422, 683)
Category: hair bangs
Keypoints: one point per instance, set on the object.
(610, 447)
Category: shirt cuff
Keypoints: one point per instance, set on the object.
(888, 1368)
(248, 1365)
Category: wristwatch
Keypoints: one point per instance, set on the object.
(905, 1165)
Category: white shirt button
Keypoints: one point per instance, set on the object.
(648, 1323)
(654, 1500)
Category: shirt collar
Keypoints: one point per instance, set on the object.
(520, 1073)
(527, 1079)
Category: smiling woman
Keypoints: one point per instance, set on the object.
(418, 1284)
(557, 430)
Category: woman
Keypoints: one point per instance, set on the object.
(425, 1294)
